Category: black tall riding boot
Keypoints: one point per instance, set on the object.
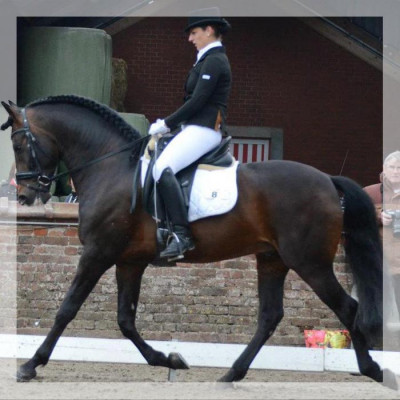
(172, 196)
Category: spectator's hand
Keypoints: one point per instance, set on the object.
(386, 218)
(158, 128)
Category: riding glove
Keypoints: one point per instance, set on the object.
(158, 128)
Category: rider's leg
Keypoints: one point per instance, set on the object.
(186, 147)
(171, 193)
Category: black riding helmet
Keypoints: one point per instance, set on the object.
(208, 16)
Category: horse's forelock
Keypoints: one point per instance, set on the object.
(7, 124)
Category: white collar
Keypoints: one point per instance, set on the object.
(204, 50)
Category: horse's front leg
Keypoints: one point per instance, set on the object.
(90, 270)
(129, 279)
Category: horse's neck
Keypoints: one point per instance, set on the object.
(80, 147)
(86, 145)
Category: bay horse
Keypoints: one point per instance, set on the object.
(288, 214)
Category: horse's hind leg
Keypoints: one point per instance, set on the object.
(89, 272)
(129, 279)
(323, 281)
(271, 278)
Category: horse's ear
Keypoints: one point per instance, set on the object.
(6, 106)
(13, 113)
(12, 109)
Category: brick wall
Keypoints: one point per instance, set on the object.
(285, 75)
(208, 302)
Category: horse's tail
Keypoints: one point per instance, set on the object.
(363, 249)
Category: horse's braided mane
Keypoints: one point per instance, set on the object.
(127, 131)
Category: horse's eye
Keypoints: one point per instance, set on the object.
(17, 148)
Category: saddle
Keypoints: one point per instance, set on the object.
(216, 158)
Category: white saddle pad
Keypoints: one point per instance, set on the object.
(214, 191)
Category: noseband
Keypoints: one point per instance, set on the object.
(43, 181)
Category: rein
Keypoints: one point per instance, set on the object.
(127, 147)
(44, 181)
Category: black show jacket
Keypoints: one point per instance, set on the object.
(207, 91)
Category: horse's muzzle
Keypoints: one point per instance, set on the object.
(28, 193)
(25, 198)
(39, 188)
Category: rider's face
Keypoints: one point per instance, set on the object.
(201, 37)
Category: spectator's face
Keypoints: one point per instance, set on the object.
(392, 171)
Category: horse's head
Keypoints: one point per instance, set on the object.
(36, 155)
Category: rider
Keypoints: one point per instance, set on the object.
(207, 90)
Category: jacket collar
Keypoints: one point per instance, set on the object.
(219, 49)
(216, 43)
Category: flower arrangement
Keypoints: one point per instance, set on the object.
(336, 339)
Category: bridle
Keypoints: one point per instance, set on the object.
(43, 181)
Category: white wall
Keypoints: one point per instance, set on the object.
(6, 152)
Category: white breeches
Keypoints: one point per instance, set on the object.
(186, 147)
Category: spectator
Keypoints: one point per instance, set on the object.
(386, 197)
(8, 188)
(72, 197)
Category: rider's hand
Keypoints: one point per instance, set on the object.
(386, 218)
(158, 128)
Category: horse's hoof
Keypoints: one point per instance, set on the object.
(389, 380)
(228, 377)
(233, 376)
(176, 361)
(25, 374)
